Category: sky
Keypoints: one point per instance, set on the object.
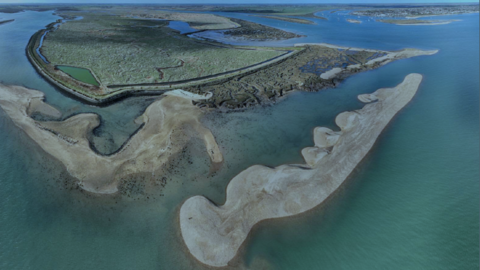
(238, 1)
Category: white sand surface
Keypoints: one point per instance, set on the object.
(214, 233)
(146, 151)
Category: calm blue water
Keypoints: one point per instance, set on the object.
(183, 27)
(413, 203)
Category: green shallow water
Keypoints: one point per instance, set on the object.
(81, 74)
(413, 203)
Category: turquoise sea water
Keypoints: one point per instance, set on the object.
(413, 203)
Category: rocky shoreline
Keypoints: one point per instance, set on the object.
(214, 233)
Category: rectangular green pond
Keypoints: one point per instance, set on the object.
(81, 74)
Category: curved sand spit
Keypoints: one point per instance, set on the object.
(146, 151)
(213, 234)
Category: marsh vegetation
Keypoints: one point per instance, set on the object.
(131, 51)
(300, 71)
(254, 31)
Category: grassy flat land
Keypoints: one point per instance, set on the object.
(119, 50)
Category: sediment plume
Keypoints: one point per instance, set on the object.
(214, 233)
(146, 151)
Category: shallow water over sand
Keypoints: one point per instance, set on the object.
(412, 204)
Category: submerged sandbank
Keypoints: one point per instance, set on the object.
(213, 234)
(160, 137)
(6, 21)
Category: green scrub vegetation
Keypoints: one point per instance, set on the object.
(120, 50)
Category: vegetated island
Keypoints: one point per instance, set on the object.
(214, 233)
(417, 22)
(6, 21)
(162, 135)
(104, 56)
(251, 31)
(354, 21)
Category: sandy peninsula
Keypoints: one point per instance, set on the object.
(417, 22)
(353, 21)
(147, 150)
(214, 233)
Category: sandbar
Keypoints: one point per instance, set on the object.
(353, 21)
(330, 74)
(150, 148)
(214, 233)
(418, 22)
(406, 53)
